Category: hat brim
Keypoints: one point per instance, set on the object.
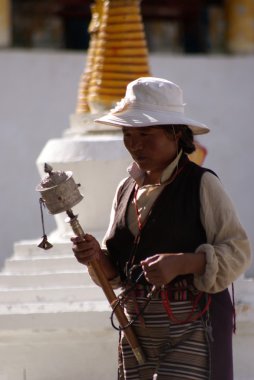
(141, 118)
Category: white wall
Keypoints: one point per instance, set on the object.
(38, 93)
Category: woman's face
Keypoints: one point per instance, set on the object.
(151, 147)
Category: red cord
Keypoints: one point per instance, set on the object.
(191, 317)
(135, 198)
(138, 214)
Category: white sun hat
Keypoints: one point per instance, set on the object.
(151, 101)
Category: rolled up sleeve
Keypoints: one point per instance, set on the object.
(227, 250)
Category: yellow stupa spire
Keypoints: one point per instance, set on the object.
(93, 29)
(117, 54)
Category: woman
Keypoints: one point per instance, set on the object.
(174, 243)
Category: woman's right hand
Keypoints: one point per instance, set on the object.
(86, 248)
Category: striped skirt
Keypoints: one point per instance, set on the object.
(173, 350)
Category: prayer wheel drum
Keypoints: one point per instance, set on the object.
(59, 191)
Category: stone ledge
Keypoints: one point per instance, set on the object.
(89, 315)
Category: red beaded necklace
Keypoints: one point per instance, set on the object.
(164, 291)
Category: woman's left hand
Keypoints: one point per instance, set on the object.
(162, 268)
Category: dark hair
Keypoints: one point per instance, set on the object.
(186, 140)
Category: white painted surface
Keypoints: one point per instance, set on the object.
(59, 355)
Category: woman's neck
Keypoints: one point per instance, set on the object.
(152, 178)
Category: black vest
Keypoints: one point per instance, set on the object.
(174, 225)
